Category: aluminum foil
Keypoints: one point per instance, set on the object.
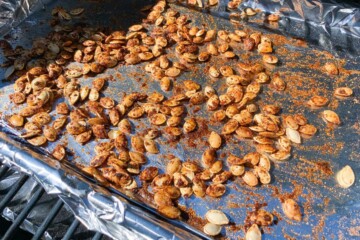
(60, 223)
(328, 209)
(13, 12)
(332, 25)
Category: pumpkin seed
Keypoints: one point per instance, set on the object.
(345, 177)
(214, 140)
(230, 126)
(291, 209)
(212, 229)
(16, 120)
(170, 211)
(216, 217)
(271, 59)
(237, 170)
(59, 152)
(253, 233)
(331, 69)
(262, 218)
(150, 146)
(250, 179)
(136, 112)
(189, 125)
(157, 119)
(293, 135)
(173, 166)
(215, 190)
(37, 141)
(343, 92)
(331, 117)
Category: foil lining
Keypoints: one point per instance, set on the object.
(334, 25)
(13, 12)
(59, 225)
(331, 24)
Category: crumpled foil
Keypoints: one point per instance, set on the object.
(12, 12)
(332, 24)
(60, 223)
(97, 210)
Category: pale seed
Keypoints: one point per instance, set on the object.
(216, 217)
(345, 177)
(250, 179)
(291, 209)
(253, 233)
(331, 117)
(214, 140)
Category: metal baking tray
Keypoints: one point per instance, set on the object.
(328, 210)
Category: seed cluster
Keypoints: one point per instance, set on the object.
(86, 114)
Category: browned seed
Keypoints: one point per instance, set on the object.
(50, 133)
(75, 128)
(172, 72)
(162, 199)
(208, 157)
(271, 59)
(107, 102)
(343, 92)
(291, 209)
(37, 141)
(59, 152)
(155, 97)
(317, 101)
(216, 167)
(137, 157)
(136, 112)
(189, 125)
(157, 119)
(230, 126)
(16, 120)
(103, 147)
(219, 115)
(271, 109)
(162, 180)
(17, 97)
(125, 126)
(331, 117)
(222, 177)
(331, 69)
(137, 143)
(62, 108)
(41, 118)
(215, 190)
(308, 129)
(170, 211)
(278, 83)
(148, 174)
(203, 56)
(173, 166)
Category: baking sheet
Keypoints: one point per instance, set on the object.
(308, 176)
